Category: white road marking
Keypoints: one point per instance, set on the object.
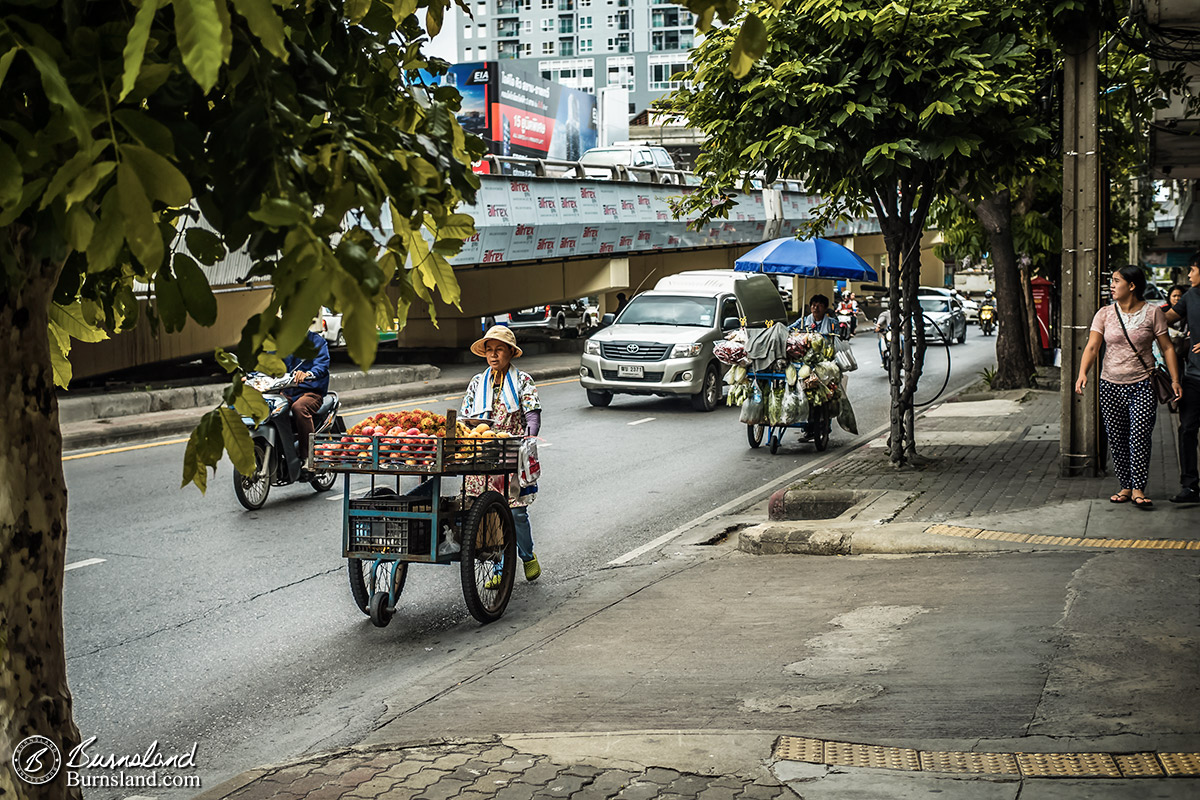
(87, 562)
(640, 421)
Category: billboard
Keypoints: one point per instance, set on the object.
(520, 114)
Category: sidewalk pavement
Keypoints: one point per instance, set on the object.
(712, 673)
(99, 419)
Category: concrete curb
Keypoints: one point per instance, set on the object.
(180, 422)
(810, 538)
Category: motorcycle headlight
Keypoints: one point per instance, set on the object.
(687, 350)
(591, 347)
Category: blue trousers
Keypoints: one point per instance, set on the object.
(524, 533)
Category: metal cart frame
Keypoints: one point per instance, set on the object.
(815, 429)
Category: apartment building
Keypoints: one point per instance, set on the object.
(584, 44)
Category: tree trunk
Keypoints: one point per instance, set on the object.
(34, 697)
(894, 246)
(1014, 362)
(1033, 327)
(914, 349)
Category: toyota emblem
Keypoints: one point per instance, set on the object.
(632, 348)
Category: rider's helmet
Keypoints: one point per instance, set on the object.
(988, 294)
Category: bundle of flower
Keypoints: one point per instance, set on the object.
(732, 350)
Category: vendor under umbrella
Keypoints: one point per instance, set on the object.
(818, 319)
(509, 398)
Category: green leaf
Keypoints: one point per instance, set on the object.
(751, 43)
(84, 185)
(249, 402)
(70, 320)
(279, 213)
(141, 228)
(80, 225)
(146, 130)
(193, 286)
(161, 179)
(11, 177)
(6, 61)
(198, 29)
(108, 234)
(135, 46)
(238, 443)
(65, 174)
(169, 297)
(55, 87)
(205, 245)
(265, 24)
(433, 17)
(457, 226)
(204, 450)
(271, 364)
(355, 10)
(402, 9)
(300, 308)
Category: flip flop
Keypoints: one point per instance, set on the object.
(1119, 498)
(1143, 503)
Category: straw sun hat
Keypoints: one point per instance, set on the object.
(501, 334)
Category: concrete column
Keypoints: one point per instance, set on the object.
(1079, 442)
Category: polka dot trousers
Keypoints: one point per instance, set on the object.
(1128, 410)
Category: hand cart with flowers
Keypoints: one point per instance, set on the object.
(385, 530)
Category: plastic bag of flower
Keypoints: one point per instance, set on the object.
(845, 416)
(795, 407)
(754, 409)
(775, 406)
(730, 352)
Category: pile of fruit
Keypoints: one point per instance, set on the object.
(421, 421)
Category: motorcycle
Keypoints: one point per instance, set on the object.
(885, 354)
(277, 457)
(843, 326)
(987, 319)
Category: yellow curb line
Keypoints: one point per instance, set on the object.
(1069, 541)
(1023, 765)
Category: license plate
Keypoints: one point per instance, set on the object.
(630, 371)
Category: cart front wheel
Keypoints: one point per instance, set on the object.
(754, 434)
(388, 580)
(323, 482)
(378, 610)
(776, 438)
(489, 549)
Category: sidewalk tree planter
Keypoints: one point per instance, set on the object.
(876, 106)
(295, 130)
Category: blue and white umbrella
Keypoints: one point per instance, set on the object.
(806, 258)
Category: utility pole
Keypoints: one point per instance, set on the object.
(1079, 443)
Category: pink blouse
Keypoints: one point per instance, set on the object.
(1120, 364)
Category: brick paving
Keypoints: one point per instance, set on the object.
(1008, 475)
(483, 770)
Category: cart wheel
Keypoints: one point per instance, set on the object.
(323, 482)
(489, 544)
(754, 434)
(821, 439)
(775, 439)
(389, 579)
(381, 615)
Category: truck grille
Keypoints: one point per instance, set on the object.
(648, 377)
(620, 351)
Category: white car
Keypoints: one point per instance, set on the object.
(605, 162)
(969, 307)
(331, 327)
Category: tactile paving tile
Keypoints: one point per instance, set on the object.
(1139, 765)
(845, 754)
(1177, 764)
(797, 748)
(976, 763)
(1067, 765)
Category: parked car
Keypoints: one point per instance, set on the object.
(566, 319)
(944, 319)
(662, 342)
(599, 162)
(331, 327)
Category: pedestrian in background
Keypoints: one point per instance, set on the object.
(1187, 311)
(1128, 328)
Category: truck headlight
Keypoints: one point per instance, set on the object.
(687, 350)
(591, 347)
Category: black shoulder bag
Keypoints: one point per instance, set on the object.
(1160, 379)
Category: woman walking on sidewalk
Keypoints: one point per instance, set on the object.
(1128, 327)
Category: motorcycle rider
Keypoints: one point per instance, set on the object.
(311, 384)
(988, 302)
(849, 307)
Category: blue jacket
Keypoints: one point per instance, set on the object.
(318, 381)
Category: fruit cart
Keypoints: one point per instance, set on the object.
(385, 530)
(815, 429)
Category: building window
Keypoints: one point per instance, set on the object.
(480, 31)
(468, 53)
(662, 68)
(585, 3)
(482, 52)
(526, 49)
(547, 48)
(577, 73)
(620, 71)
(467, 31)
(585, 45)
(547, 4)
(481, 7)
(611, 21)
(585, 23)
(526, 26)
(547, 25)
